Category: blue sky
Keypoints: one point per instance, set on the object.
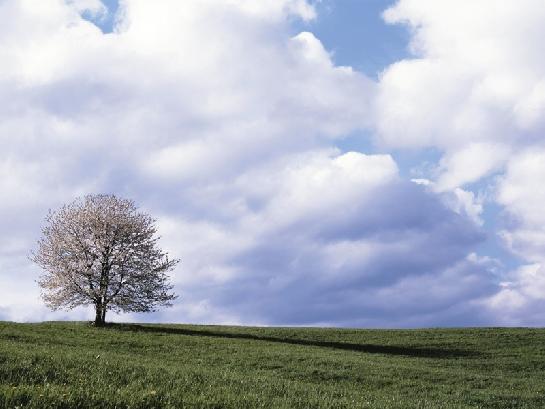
(341, 163)
(355, 33)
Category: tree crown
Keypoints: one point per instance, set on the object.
(101, 250)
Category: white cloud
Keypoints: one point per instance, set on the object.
(521, 301)
(465, 203)
(182, 108)
(521, 192)
(95, 7)
(470, 164)
(221, 123)
(323, 237)
(521, 189)
(474, 91)
(474, 87)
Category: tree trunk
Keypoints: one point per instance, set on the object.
(100, 315)
(104, 309)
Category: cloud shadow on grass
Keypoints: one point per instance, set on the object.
(421, 352)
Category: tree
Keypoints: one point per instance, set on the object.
(100, 250)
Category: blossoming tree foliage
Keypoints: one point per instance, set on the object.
(101, 251)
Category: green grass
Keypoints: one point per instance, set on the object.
(74, 365)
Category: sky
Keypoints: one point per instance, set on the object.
(319, 163)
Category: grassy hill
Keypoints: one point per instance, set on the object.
(74, 365)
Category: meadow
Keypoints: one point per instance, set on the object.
(75, 365)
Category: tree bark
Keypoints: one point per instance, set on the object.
(100, 315)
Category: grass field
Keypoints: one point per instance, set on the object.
(74, 365)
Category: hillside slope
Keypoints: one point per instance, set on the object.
(74, 365)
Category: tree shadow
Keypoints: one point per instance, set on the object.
(421, 352)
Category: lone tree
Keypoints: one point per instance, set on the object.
(100, 250)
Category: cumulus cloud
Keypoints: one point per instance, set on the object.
(521, 300)
(335, 239)
(473, 89)
(521, 193)
(470, 163)
(172, 108)
(222, 123)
